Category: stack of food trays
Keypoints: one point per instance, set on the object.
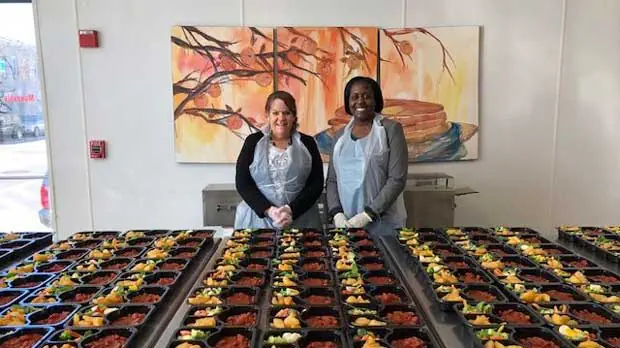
(75, 292)
(604, 241)
(18, 246)
(335, 290)
(226, 309)
(552, 298)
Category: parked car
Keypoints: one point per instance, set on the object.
(44, 213)
(11, 126)
(33, 125)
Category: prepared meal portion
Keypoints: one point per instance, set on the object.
(315, 282)
(323, 344)
(512, 316)
(240, 298)
(560, 296)
(243, 319)
(410, 342)
(131, 319)
(108, 341)
(388, 298)
(591, 317)
(402, 318)
(537, 342)
(26, 340)
(237, 341)
(318, 300)
(480, 295)
(53, 318)
(322, 321)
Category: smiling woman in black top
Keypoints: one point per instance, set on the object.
(279, 172)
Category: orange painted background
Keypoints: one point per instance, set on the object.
(222, 76)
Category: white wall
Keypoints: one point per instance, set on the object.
(122, 93)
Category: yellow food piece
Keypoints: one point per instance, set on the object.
(512, 279)
(62, 246)
(87, 321)
(480, 320)
(363, 321)
(14, 317)
(514, 241)
(29, 268)
(559, 319)
(226, 268)
(531, 296)
(100, 254)
(90, 268)
(42, 257)
(167, 243)
(291, 322)
(131, 284)
(492, 265)
(480, 251)
(64, 281)
(589, 344)
(445, 277)
(285, 267)
(578, 278)
(554, 264)
(43, 299)
(204, 322)
(495, 344)
(352, 282)
(110, 299)
(453, 296)
(214, 283)
(279, 300)
(143, 267)
(604, 299)
(203, 299)
(285, 282)
(371, 342)
(344, 265)
(156, 254)
(356, 299)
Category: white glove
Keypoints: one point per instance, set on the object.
(340, 221)
(281, 216)
(360, 220)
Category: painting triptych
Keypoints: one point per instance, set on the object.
(221, 77)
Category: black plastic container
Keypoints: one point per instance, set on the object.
(400, 334)
(69, 297)
(101, 278)
(173, 264)
(611, 318)
(183, 253)
(53, 267)
(160, 291)
(593, 275)
(256, 264)
(314, 265)
(371, 264)
(9, 297)
(249, 334)
(390, 310)
(610, 336)
(309, 313)
(116, 264)
(537, 276)
(481, 276)
(517, 262)
(87, 244)
(555, 249)
(446, 250)
(577, 296)
(10, 336)
(312, 279)
(500, 250)
(466, 293)
(576, 261)
(535, 239)
(18, 245)
(231, 312)
(248, 278)
(142, 242)
(379, 278)
(80, 334)
(378, 291)
(72, 255)
(260, 253)
(308, 296)
(252, 292)
(155, 279)
(126, 310)
(130, 252)
(334, 336)
(542, 332)
(30, 281)
(128, 333)
(35, 318)
(459, 262)
(368, 251)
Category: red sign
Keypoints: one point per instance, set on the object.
(30, 98)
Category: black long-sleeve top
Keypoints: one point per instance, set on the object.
(256, 200)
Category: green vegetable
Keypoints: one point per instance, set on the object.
(285, 338)
(353, 273)
(495, 334)
(362, 311)
(66, 336)
(480, 308)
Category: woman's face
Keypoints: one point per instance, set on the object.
(281, 120)
(362, 101)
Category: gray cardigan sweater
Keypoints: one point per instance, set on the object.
(393, 183)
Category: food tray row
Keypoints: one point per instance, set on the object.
(20, 245)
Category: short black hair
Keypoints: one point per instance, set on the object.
(376, 91)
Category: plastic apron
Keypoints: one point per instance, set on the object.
(374, 172)
(280, 183)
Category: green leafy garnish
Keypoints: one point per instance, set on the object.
(480, 308)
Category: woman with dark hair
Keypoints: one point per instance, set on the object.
(279, 172)
(369, 162)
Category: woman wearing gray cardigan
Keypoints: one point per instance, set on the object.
(368, 167)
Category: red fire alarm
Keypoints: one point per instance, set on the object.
(89, 38)
(97, 149)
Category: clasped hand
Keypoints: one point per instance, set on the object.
(281, 216)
